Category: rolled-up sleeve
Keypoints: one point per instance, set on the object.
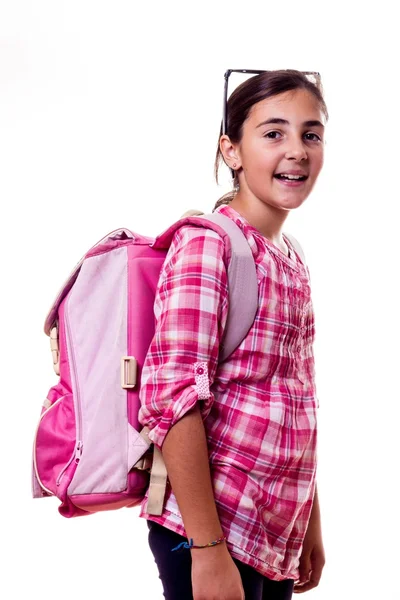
(191, 307)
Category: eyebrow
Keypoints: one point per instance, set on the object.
(276, 120)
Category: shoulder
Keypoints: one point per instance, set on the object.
(195, 262)
(196, 257)
(193, 232)
(199, 243)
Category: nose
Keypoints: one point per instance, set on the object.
(296, 150)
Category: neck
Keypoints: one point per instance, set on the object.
(268, 220)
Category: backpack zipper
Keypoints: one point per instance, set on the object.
(78, 452)
(75, 456)
(76, 396)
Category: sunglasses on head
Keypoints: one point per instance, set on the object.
(314, 74)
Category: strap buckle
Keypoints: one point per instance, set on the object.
(55, 351)
(128, 372)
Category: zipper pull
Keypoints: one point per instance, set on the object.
(78, 452)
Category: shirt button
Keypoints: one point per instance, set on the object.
(200, 371)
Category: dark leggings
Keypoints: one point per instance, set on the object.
(175, 570)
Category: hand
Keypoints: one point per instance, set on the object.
(214, 575)
(312, 560)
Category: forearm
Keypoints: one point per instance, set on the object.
(315, 511)
(314, 524)
(186, 457)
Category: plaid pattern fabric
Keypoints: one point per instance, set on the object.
(259, 407)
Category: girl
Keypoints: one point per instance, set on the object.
(239, 437)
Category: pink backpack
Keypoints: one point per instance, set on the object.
(89, 450)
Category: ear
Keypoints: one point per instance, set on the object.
(230, 153)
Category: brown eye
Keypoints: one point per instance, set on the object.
(315, 136)
(271, 135)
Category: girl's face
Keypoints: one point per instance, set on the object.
(282, 135)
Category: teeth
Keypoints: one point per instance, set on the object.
(291, 176)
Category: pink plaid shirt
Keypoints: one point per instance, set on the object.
(259, 407)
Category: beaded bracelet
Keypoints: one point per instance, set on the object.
(191, 545)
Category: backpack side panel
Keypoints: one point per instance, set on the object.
(143, 276)
(55, 440)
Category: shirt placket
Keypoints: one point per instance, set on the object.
(300, 347)
(302, 306)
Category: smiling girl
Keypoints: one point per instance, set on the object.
(239, 437)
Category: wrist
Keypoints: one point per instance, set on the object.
(191, 545)
(211, 553)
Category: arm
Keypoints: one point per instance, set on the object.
(186, 458)
(191, 311)
(214, 574)
(191, 307)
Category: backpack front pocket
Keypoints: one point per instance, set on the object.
(55, 444)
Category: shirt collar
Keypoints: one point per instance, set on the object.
(258, 243)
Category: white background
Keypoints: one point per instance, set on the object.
(109, 115)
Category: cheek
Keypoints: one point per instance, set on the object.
(319, 160)
(259, 162)
(258, 173)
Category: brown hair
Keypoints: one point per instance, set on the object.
(253, 90)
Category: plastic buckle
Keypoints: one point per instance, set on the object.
(128, 372)
(55, 349)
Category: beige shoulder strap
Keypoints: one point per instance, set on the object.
(158, 477)
(158, 484)
(296, 245)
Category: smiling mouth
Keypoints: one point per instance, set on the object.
(291, 177)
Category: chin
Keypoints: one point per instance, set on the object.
(290, 203)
